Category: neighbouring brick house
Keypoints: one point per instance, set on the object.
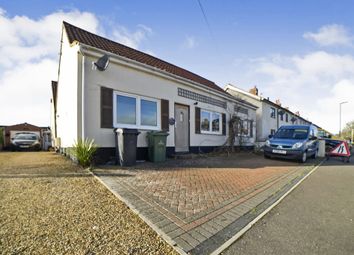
(10, 131)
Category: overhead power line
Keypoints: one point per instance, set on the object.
(208, 24)
(205, 17)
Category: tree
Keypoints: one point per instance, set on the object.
(347, 130)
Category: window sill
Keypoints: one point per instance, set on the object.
(138, 127)
(210, 133)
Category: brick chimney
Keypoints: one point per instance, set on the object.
(278, 102)
(254, 91)
(297, 113)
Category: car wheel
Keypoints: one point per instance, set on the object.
(303, 157)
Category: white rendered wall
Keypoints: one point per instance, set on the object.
(268, 123)
(67, 104)
(126, 79)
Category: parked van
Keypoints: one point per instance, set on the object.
(293, 142)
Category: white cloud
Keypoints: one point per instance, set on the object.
(25, 93)
(275, 70)
(190, 42)
(314, 84)
(331, 35)
(2, 11)
(23, 39)
(29, 50)
(131, 39)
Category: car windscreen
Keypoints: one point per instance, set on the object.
(27, 137)
(292, 133)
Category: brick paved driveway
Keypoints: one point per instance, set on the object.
(197, 204)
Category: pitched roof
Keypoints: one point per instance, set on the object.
(87, 38)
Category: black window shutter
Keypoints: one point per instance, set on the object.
(251, 128)
(223, 124)
(106, 107)
(197, 120)
(165, 115)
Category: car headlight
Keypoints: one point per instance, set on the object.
(298, 145)
(267, 143)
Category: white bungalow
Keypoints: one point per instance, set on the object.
(137, 90)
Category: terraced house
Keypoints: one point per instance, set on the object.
(104, 85)
(270, 115)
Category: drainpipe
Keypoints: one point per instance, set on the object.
(82, 94)
(277, 118)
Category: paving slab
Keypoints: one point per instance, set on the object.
(201, 203)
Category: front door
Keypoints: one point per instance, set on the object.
(181, 128)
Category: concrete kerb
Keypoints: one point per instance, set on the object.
(136, 211)
(260, 216)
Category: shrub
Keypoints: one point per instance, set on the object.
(84, 151)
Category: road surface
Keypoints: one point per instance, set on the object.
(316, 218)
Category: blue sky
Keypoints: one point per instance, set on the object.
(298, 51)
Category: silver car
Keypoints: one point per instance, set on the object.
(26, 141)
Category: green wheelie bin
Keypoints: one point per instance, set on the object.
(157, 146)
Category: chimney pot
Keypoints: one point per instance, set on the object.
(254, 91)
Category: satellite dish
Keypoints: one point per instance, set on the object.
(102, 63)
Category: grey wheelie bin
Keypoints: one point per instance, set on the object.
(127, 143)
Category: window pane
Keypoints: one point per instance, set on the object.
(148, 113)
(205, 121)
(126, 110)
(215, 122)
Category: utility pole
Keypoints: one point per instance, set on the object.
(340, 117)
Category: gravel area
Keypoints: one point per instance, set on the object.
(48, 205)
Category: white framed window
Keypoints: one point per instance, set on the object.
(245, 128)
(210, 122)
(133, 111)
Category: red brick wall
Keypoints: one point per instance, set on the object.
(25, 127)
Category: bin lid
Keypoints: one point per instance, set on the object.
(158, 133)
(127, 130)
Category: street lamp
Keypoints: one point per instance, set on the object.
(340, 117)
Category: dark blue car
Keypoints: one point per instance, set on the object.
(293, 142)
